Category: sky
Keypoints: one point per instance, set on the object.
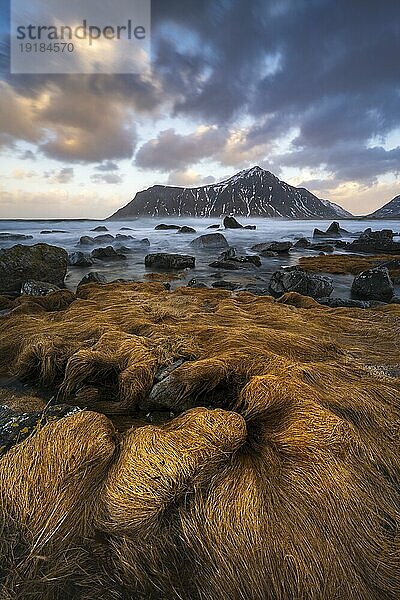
(307, 89)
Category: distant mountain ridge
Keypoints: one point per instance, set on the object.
(391, 210)
(253, 192)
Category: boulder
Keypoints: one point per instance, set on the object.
(213, 227)
(294, 279)
(194, 283)
(169, 261)
(230, 261)
(79, 259)
(302, 243)
(279, 247)
(93, 277)
(164, 227)
(107, 253)
(346, 303)
(40, 262)
(37, 288)
(123, 237)
(104, 239)
(210, 240)
(322, 247)
(14, 237)
(48, 231)
(252, 227)
(100, 228)
(373, 284)
(186, 229)
(86, 240)
(232, 223)
(125, 229)
(375, 241)
(225, 285)
(334, 230)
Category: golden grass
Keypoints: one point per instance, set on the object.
(346, 263)
(281, 481)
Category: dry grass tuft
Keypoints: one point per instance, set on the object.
(346, 263)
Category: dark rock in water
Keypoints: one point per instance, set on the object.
(125, 229)
(322, 247)
(278, 247)
(16, 426)
(107, 238)
(40, 262)
(341, 244)
(37, 288)
(100, 228)
(107, 253)
(210, 240)
(186, 229)
(86, 240)
(164, 227)
(92, 277)
(334, 230)
(225, 285)
(375, 241)
(123, 237)
(196, 284)
(252, 227)
(228, 260)
(395, 300)
(169, 261)
(302, 243)
(373, 284)
(346, 303)
(213, 227)
(257, 289)
(232, 223)
(14, 237)
(48, 231)
(294, 279)
(79, 259)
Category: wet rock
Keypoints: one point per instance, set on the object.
(302, 243)
(231, 223)
(252, 227)
(169, 261)
(210, 240)
(373, 284)
(107, 253)
(14, 237)
(322, 247)
(334, 230)
(104, 239)
(40, 262)
(86, 240)
(48, 231)
(79, 259)
(257, 289)
(294, 279)
(123, 237)
(375, 241)
(125, 229)
(93, 277)
(194, 283)
(213, 227)
(100, 228)
(347, 303)
(186, 229)
(164, 227)
(230, 261)
(225, 285)
(37, 288)
(278, 247)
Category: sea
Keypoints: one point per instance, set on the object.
(169, 241)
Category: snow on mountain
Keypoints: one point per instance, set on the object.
(253, 192)
(391, 210)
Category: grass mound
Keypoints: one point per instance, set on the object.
(347, 263)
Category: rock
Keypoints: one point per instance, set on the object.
(373, 284)
(48, 231)
(16, 426)
(123, 237)
(79, 259)
(228, 260)
(104, 239)
(164, 227)
(269, 253)
(252, 227)
(100, 228)
(40, 262)
(225, 285)
(322, 247)
(210, 240)
(375, 241)
(294, 279)
(193, 283)
(334, 230)
(186, 229)
(278, 247)
(92, 277)
(302, 243)
(86, 240)
(213, 227)
(346, 303)
(232, 223)
(125, 229)
(341, 244)
(169, 261)
(14, 237)
(145, 242)
(37, 288)
(257, 289)
(107, 253)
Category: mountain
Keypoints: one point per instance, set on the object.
(250, 193)
(391, 210)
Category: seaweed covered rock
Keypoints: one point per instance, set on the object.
(294, 279)
(40, 262)
(37, 288)
(373, 284)
(162, 260)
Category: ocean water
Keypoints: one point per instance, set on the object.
(170, 241)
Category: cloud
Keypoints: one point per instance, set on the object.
(186, 178)
(112, 178)
(27, 155)
(22, 174)
(64, 175)
(107, 166)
